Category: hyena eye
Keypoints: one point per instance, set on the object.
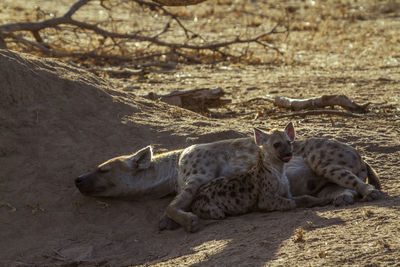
(276, 145)
(103, 169)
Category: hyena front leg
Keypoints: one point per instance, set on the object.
(271, 202)
(307, 201)
(167, 224)
(176, 210)
(346, 178)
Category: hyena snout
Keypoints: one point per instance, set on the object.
(285, 154)
(85, 183)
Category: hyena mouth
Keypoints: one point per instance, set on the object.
(286, 158)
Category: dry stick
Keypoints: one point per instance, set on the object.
(320, 102)
(316, 102)
(318, 112)
(6, 30)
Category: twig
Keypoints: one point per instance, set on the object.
(153, 5)
(75, 8)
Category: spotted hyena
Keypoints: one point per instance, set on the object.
(265, 187)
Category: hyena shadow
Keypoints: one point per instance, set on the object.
(253, 238)
(124, 233)
(257, 238)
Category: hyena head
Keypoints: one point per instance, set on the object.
(112, 178)
(278, 144)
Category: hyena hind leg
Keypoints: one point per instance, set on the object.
(346, 178)
(204, 208)
(340, 196)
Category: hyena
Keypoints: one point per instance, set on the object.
(265, 187)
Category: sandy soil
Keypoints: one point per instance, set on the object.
(58, 121)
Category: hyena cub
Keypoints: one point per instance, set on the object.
(265, 187)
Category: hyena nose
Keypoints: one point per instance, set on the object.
(80, 179)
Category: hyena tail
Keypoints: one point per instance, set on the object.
(373, 178)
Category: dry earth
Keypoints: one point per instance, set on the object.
(58, 121)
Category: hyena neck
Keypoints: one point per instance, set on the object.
(267, 161)
(166, 165)
(161, 178)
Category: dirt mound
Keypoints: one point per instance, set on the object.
(58, 121)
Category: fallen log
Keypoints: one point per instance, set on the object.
(316, 102)
(198, 100)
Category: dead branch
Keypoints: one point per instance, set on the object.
(9, 33)
(318, 112)
(316, 102)
(198, 100)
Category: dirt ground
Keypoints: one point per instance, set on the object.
(58, 121)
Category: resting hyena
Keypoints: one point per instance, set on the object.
(265, 187)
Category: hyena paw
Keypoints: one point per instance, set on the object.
(373, 195)
(217, 214)
(192, 223)
(167, 224)
(324, 202)
(343, 200)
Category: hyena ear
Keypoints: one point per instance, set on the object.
(141, 159)
(260, 137)
(289, 130)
